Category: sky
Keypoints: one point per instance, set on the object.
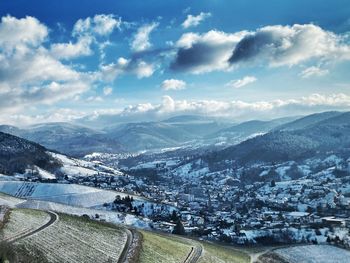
(146, 60)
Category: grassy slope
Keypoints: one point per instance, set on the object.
(219, 254)
(163, 248)
(167, 248)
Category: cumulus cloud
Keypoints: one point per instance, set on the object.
(173, 84)
(289, 45)
(107, 91)
(313, 71)
(274, 46)
(29, 74)
(136, 67)
(57, 115)
(70, 50)
(236, 109)
(238, 83)
(192, 21)
(94, 99)
(199, 53)
(141, 39)
(20, 34)
(101, 25)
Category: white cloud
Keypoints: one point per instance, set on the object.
(274, 46)
(30, 75)
(70, 50)
(313, 71)
(289, 45)
(192, 21)
(21, 33)
(56, 115)
(173, 84)
(105, 24)
(137, 67)
(94, 99)
(107, 91)
(238, 83)
(237, 109)
(201, 53)
(101, 24)
(141, 39)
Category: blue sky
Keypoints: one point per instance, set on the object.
(62, 60)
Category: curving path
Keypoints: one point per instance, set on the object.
(124, 255)
(53, 218)
(195, 254)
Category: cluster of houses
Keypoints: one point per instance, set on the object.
(217, 206)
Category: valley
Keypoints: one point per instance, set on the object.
(213, 195)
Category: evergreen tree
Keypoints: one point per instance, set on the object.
(179, 228)
(273, 183)
(174, 217)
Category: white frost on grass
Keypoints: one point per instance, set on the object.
(23, 221)
(314, 254)
(69, 194)
(76, 240)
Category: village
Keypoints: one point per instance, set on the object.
(314, 208)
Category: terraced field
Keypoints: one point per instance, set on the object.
(70, 239)
(22, 221)
(75, 239)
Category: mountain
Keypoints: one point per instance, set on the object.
(188, 118)
(67, 138)
(16, 154)
(200, 126)
(306, 121)
(317, 137)
(240, 132)
(148, 135)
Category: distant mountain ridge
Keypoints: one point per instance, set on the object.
(179, 131)
(67, 138)
(299, 139)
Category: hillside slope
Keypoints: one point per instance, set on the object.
(330, 134)
(16, 154)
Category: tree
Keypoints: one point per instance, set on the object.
(273, 183)
(174, 216)
(179, 228)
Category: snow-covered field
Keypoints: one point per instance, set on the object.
(23, 221)
(108, 216)
(314, 254)
(70, 239)
(75, 167)
(70, 194)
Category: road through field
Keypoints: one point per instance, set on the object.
(195, 254)
(123, 257)
(53, 218)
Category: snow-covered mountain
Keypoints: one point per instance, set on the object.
(242, 131)
(275, 155)
(306, 121)
(25, 158)
(67, 138)
(330, 134)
